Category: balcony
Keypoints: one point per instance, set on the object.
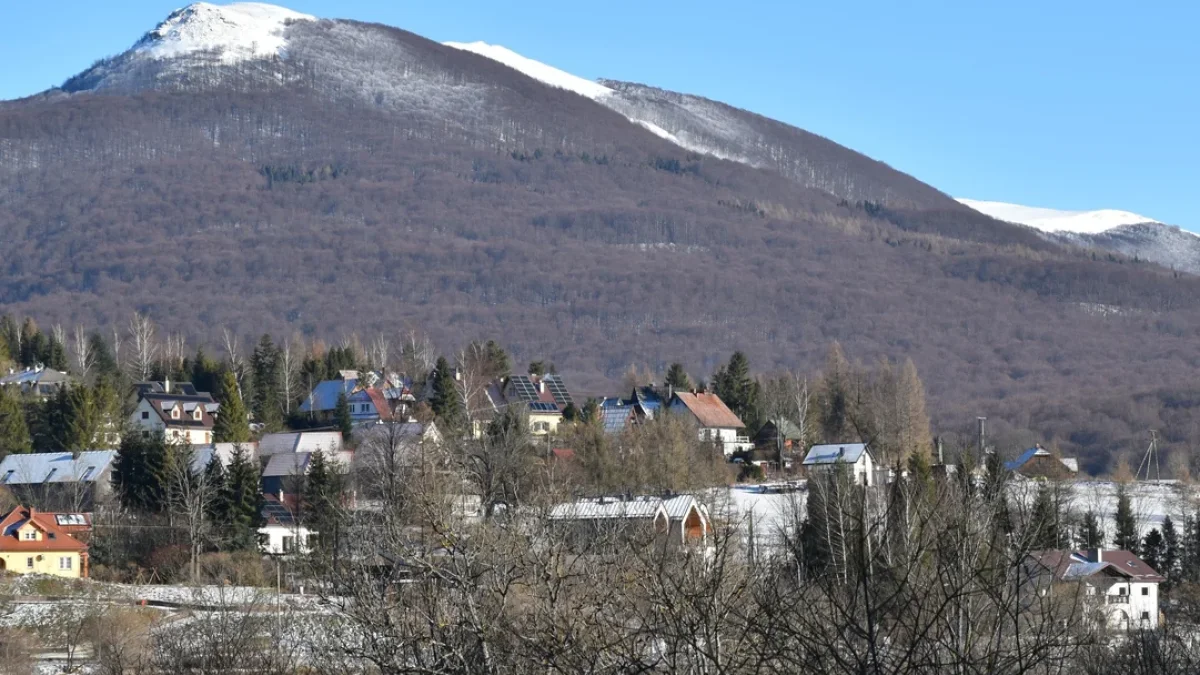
(1116, 599)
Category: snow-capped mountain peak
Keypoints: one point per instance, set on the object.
(1054, 220)
(238, 31)
(536, 69)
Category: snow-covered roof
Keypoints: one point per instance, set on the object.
(55, 467)
(32, 376)
(300, 441)
(203, 454)
(325, 395)
(609, 509)
(833, 453)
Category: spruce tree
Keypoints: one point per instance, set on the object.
(264, 365)
(1127, 535)
(241, 501)
(105, 364)
(342, 417)
(835, 398)
(140, 472)
(1042, 529)
(1153, 550)
(206, 372)
(321, 499)
(1189, 556)
(1091, 535)
(445, 401)
(217, 482)
(14, 431)
(1170, 559)
(232, 424)
(677, 378)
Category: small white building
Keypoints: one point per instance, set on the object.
(856, 456)
(281, 533)
(717, 422)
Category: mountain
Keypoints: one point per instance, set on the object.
(1121, 232)
(252, 168)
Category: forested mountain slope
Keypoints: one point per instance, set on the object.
(365, 179)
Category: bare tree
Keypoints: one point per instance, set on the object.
(190, 498)
(85, 356)
(144, 346)
(174, 351)
(378, 353)
(418, 354)
(290, 358)
(233, 352)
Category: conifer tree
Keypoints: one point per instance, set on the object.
(1091, 535)
(677, 378)
(835, 398)
(738, 390)
(140, 472)
(105, 365)
(1170, 558)
(241, 501)
(1189, 555)
(206, 372)
(215, 478)
(232, 424)
(1152, 550)
(321, 499)
(1042, 529)
(445, 400)
(14, 431)
(342, 418)
(1127, 535)
(264, 365)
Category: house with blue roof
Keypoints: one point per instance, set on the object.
(856, 457)
(372, 398)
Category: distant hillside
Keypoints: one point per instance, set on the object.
(360, 179)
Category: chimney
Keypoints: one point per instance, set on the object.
(541, 386)
(941, 459)
(981, 435)
(167, 384)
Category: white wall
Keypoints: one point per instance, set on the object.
(272, 539)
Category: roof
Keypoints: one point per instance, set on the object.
(609, 509)
(832, 453)
(1080, 565)
(678, 507)
(56, 467)
(203, 454)
(275, 512)
(300, 441)
(535, 390)
(324, 396)
(58, 537)
(785, 427)
(162, 404)
(615, 419)
(296, 464)
(32, 376)
(1038, 451)
(710, 411)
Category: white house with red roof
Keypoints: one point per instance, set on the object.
(1118, 586)
(716, 421)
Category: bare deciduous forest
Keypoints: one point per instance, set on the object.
(374, 181)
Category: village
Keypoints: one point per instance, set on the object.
(189, 500)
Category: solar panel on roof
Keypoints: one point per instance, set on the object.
(558, 390)
(542, 406)
(523, 387)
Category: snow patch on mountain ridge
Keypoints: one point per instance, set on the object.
(539, 71)
(1053, 220)
(238, 32)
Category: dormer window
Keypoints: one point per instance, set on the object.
(29, 535)
(197, 415)
(174, 413)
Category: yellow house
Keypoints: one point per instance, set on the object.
(33, 542)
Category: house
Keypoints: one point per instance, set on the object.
(180, 418)
(1038, 462)
(856, 456)
(38, 381)
(545, 397)
(203, 454)
(645, 402)
(779, 434)
(614, 420)
(675, 521)
(60, 480)
(1119, 589)
(372, 397)
(717, 422)
(281, 532)
(37, 542)
(405, 438)
(167, 387)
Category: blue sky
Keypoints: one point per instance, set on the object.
(1062, 104)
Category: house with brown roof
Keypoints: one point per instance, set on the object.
(37, 542)
(1038, 462)
(1118, 590)
(716, 421)
(186, 419)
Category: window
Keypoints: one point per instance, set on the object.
(87, 474)
(7, 474)
(29, 535)
(289, 544)
(50, 475)
(64, 563)
(1122, 591)
(174, 413)
(145, 415)
(1146, 616)
(29, 562)
(196, 415)
(1145, 590)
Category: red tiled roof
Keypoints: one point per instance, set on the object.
(380, 402)
(1127, 562)
(710, 410)
(57, 538)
